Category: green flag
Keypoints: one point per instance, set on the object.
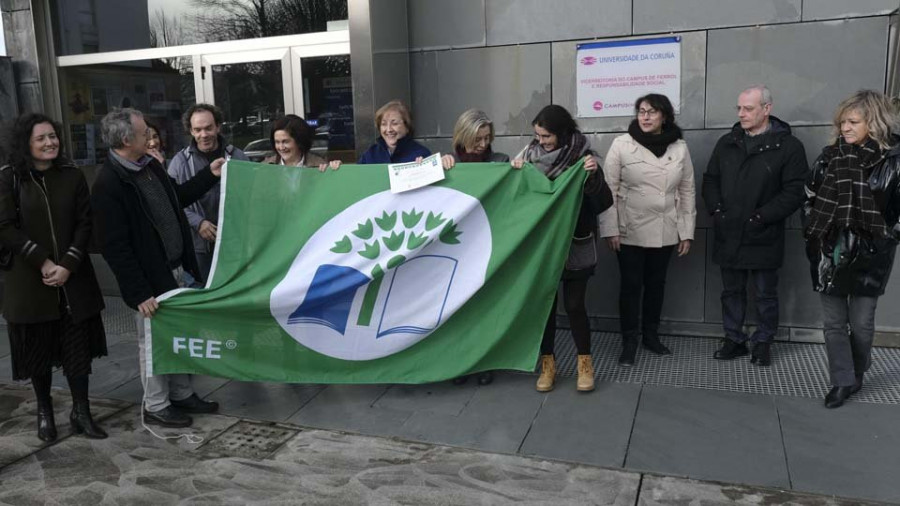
(331, 278)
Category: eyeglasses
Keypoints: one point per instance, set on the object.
(647, 112)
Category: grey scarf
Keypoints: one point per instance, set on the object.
(554, 163)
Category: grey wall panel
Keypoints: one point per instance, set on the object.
(391, 71)
(511, 84)
(388, 20)
(436, 24)
(685, 284)
(693, 84)
(798, 303)
(30, 97)
(600, 143)
(813, 139)
(424, 85)
(15, 5)
(9, 106)
(830, 9)
(510, 145)
(700, 145)
(523, 21)
(437, 144)
(20, 45)
(807, 81)
(672, 15)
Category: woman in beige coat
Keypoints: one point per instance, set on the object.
(651, 176)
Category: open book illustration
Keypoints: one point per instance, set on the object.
(414, 303)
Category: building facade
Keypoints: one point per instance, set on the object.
(508, 57)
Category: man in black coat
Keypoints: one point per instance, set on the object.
(753, 183)
(144, 236)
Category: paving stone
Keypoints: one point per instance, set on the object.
(852, 451)
(708, 435)
(592, 427)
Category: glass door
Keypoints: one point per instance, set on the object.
(323, 95)
(253, 88)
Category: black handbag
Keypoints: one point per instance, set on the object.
(6, 254)
(582, 253)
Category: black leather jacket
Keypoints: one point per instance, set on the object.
(846, 262)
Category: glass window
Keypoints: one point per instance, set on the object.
(328, 97)
(91, 26)
(251, 95)
(160, 89)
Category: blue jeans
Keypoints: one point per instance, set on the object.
(734, 303)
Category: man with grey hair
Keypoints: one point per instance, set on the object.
(753, 183)
(145, 239)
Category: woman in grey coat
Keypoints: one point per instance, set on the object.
(472, 137)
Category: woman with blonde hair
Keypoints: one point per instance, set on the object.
(472, 138)
(851, 229)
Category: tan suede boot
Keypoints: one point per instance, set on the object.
(585, 373)
(548, 374)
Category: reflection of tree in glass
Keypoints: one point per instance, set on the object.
(217, 20)
(168, 31)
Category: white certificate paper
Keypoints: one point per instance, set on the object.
(412, 175)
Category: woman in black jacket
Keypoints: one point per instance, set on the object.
(851, 212)
(557, 145)
(51, 301)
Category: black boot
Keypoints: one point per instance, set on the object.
(46, 425)
(629, 349)
(762, 354)
(651, 341)
(80, 417)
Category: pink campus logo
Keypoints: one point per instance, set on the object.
(598, 106)
(588, 60)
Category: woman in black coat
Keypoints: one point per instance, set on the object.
(51, 299)
(851, 214)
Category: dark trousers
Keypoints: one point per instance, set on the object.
(643, 276)
(849, 353)
(734, 303)
(574, 291)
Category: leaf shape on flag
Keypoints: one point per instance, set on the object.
(377, 272)
(449, 234)
(342, 246)
(364, 230)
(394, 242)
(432, 222)
(415, 240)
(395, 261)
(412, 218)
(387, 221)
(371, 251)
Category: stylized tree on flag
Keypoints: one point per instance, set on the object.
(387, 237)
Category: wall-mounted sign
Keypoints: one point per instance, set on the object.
(610, 76)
